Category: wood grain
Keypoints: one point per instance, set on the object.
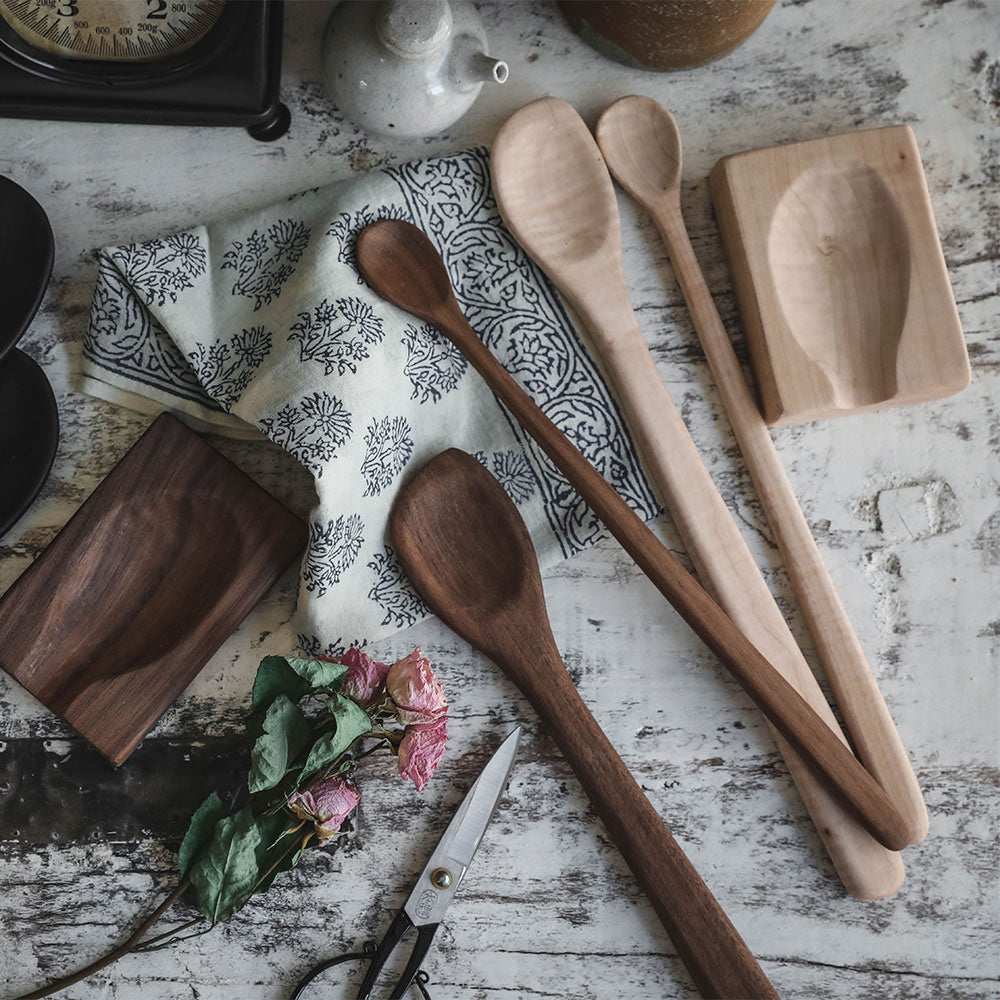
(467, 551)
(641, 145)
(554, 192)
(839, 275)
(400, 263)
(142, 585)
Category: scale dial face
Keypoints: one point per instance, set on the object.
(112, 30)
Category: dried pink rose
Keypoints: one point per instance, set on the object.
(327, 804)
(421, 751)
(365, 680)
(418, 694)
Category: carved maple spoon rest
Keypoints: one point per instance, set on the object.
(839, 275)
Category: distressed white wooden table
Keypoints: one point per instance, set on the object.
(904, 505)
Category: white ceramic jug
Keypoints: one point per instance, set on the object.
(406, 67)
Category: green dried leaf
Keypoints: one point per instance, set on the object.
(292, 677)
(223, 877)
(285, 733)
(276, 853)
(199, 831)
(318, 673)
(352, 722)
(275, 676)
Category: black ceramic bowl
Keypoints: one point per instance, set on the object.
(29, 420)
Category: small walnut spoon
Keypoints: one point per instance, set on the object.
(642, 148)
(467, 551)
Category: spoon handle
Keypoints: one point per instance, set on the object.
(717, 958)
(727, 569)
(855, 688)
(777, 699)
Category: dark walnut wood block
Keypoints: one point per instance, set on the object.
(143, 585)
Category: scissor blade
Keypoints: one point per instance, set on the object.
(454, 852)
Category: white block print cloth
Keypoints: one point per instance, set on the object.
(261, 323)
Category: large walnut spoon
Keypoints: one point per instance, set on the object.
(642, 148)
(467, 551)
(402, 265)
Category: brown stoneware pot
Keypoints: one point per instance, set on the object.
(665, 34)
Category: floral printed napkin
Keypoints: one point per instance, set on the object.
(261, 324)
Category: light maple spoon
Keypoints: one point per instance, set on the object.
(467, 552)
(556, 196)
(642, 148)
(399, 262)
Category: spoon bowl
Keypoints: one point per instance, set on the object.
(400, 263)
(469, 554)
(564, 218)
(642, 147)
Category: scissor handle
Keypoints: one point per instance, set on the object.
(399, 926)
(425, 935)
(412, 974)
(317, 970)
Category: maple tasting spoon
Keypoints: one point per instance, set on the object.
(401, 264)
(642, 148)
(468, 553)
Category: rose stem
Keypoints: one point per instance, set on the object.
(119, 952)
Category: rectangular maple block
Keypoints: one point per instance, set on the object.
(142, 586)
(839, 275)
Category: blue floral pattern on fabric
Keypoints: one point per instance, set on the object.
(389, 446)
(511, 305)
(312, 430)
(313, 646)
(332, 549)
(159, 269)
(434, 365)
(345, 228)
(393, 592)
(123, 336)
(263, 262)
(226, 368)
(338, 334)
(514, 474)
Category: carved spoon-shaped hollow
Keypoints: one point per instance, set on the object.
(401, 264)
(467, 551)
(642, 148)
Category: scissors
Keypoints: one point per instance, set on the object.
(437, 885)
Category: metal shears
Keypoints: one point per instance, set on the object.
(437, 885)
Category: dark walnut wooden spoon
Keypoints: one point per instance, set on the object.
(467, 551)
(402, 265)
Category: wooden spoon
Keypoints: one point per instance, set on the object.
(467, 551)
(556, 196)
(642, 148)
(401, 264)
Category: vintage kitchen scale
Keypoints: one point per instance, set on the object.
(165, 62)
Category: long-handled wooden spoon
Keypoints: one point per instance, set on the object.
(467, 551)
(556, 196)
(402, 265)
(642, 148)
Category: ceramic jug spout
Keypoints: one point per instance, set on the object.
(476, 67)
